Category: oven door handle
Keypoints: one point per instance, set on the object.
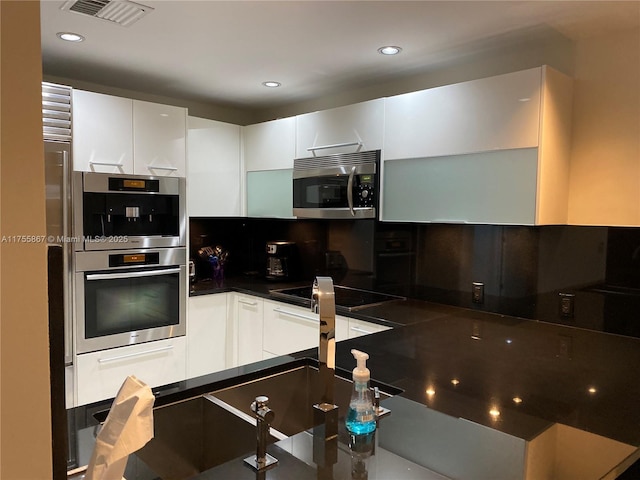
(350, 191)
(147, 273)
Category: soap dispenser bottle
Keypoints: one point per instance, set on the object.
(361, 417)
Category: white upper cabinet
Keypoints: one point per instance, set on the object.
(102, 133)
(213, 168)
(159, 145)
(352, 128)
(494, 151)
(494, 113)
(120, 135)
(270, 145)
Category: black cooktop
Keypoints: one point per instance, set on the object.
(346, 298)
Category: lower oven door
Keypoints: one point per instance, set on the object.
(129, 306)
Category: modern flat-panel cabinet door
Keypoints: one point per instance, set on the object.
(99, 375)
(245, 329)
(159, 139)
(269, 145)
(495, 113)
(213, 168)
(206, 334)
(351, 128)
(290, 328)
(102, 133)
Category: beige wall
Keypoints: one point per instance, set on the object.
(25, 418)
(605, 160)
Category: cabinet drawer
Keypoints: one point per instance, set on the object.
(100, 374)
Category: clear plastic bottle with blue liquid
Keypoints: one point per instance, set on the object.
(361, 418)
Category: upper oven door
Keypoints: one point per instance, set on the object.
(335, 192)
(128, 211)
(135, 297)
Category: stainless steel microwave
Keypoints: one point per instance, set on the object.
(343, 185)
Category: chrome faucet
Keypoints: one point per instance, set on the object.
(264, 416)
(325, 433)
(323, 303)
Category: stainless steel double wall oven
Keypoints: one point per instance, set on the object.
(130, 257)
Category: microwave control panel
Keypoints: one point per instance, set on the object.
(365, 195)
(365, 191)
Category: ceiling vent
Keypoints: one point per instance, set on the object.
(122, 12)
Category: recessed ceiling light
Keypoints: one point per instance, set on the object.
(389, 50)
(70, 36)
(271, 84)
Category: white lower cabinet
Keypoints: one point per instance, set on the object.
(206, 334)
(358, 328)
(245, 325)
(289, 328)
(99, 375)
(259, 329)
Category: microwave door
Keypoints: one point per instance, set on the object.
(346, 194)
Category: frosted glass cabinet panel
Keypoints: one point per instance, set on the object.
(490, 187)
(270, 194)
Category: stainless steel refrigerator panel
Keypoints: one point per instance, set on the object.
(57, 158)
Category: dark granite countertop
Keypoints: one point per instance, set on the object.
(468, 365)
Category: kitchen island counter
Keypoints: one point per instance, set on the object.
(482, 384)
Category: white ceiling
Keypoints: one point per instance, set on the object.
(221, 51)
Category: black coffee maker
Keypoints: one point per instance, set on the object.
(282, 260)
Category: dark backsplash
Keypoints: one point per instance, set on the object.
(526, 271)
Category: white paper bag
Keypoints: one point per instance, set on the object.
(128, 427)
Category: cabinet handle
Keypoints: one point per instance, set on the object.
(143, 273)
(156, 167)
(247, 302)
(350, 191)
(361, 330)
(136, 354)
(448, 220)
(335, 145)
(296, 315)
(106, 164)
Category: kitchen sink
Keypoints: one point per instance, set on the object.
(195, 435)
(292, 394)
(199, 433)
